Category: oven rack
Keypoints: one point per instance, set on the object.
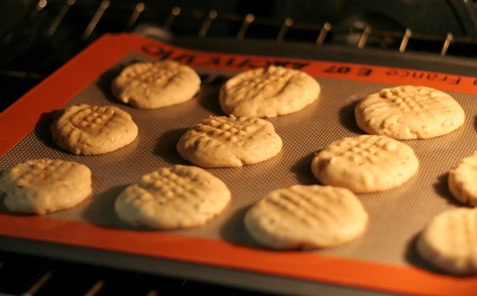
(239, 27)
(51, 32)
(36, 276)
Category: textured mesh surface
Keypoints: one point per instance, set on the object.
(396, 216)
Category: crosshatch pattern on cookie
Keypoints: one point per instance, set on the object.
(234, 131)
(170, 185)
(366, 163)
(221, 141)
(262, 86)
(365, 149)
(305, 207)
(449, 241)
(148, 73)
(44, 185)
(303, 216)
(173, 198)
(151, 85)
(409, 112)
(409, 100)
(86, 129)
(40, 170)
(95, 119)
(268, 92)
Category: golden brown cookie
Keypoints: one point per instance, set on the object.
(152, 85)
(85, 129)
(268, 92)
(173, 198)
(449, 242)
(308, 217)
(41, 186)
(462, 180)
(409, 112)
(229, 141)
(365, 163)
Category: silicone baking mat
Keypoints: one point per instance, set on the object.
(384, 259)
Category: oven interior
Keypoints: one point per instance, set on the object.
(43, 35)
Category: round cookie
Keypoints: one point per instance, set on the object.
(449, 242)
(307, 217)
(365, 163)
(462, 180)
(220, 141)
(85, 129)
(409, 112)
(41, 186)
(152, 85)
(173, 198)
(268, 92)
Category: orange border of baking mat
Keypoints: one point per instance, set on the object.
(21, 118)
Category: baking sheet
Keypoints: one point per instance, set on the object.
(381, 259)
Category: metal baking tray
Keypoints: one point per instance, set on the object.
(382, 261)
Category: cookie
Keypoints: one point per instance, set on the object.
(306, 217)
(409, 112)
(365, 163)
(220, 141)
(462, 180)
(449, 242)
(173, 198)
(85, 129)
(150, 85)
(41, 186)
(268, 92)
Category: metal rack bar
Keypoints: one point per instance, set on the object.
(247, 21)
(446, 44)
(364, 37)
(323, 33)
(59, 17)
(41, 4)
(283, 27)
(39, 284)
(138, 9)
(96, 288)
(211, 16)
(287, 23)
(175, 11)
(405, 40)
(95, 19)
